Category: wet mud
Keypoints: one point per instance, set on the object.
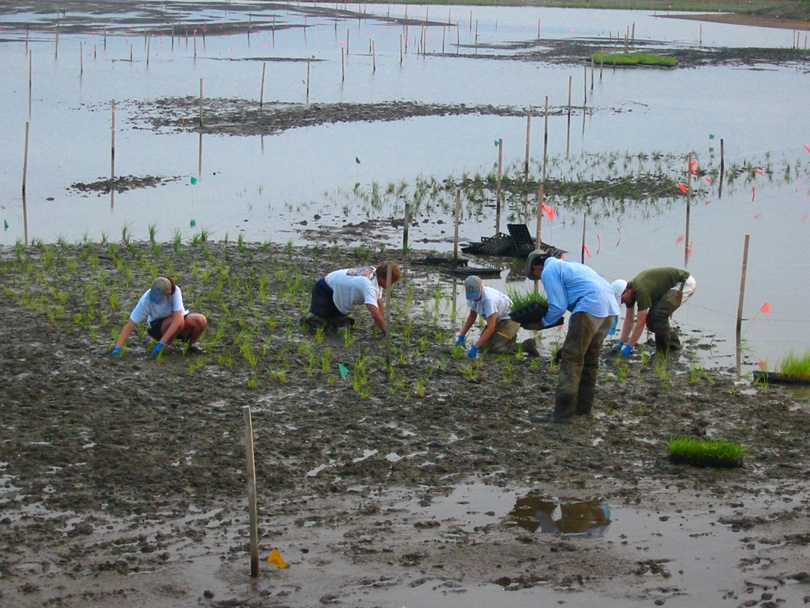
(123, 481)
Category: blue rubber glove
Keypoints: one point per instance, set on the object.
(473, 352)
(627, 350)
(460, 340)
(617, 347)
(156, 351)
(116, 352)
(613, 327)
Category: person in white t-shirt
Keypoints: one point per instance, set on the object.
(335, 296)
(162, 308)
(500, 334)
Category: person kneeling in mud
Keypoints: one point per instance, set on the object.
(162, 308)
(335, 296)
(500, 334)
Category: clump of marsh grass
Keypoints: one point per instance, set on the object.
(705, 452)
(795, 366)
(522, 299)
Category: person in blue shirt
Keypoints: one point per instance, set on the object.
(571, 286)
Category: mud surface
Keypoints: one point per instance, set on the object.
(123, 481)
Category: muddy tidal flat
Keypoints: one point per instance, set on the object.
(123, 481)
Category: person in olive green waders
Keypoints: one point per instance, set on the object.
(658, 293)
(571, 286)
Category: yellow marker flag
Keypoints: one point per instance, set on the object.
(276, 560)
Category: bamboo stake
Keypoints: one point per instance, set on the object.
(373, 58)
(585, 87)
(81, 59)
(545, 143)
(148, 49)
(308, 76)
(24, 182)
(261, 94)
(498, 190)
(112, 145)
(406, 224)
(251, 491)
(540, 196)
(688, 211)
(201, 103)
(195, 44)
(528, 140)
(388, 313)
(582, 250)
(455, 221)
(740, 305)
(343, 64)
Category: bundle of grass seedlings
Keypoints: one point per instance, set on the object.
(527, 306)
(795, 366)
(705, 452)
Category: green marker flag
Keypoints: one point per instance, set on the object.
(497, 143)
(711, 135)
(193, 180)
(357, 160)
(343, 371)
(5, 224)
(192, 223)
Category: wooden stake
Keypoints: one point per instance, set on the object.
(388, 313)
(251, 492)
(455, 221)
(343, 64)
(688, 211)
(195, 44)
(498, 190)
(582, 251)
(742, 297)
(541, 192)
(201, 102)
(406, 224)
(545, 143)
(148, 49)
(81, 59)
(585, 88)
(528, 141)
(308, 76)
(261, 94)
(373, 58)
(24, 182)
(112, 145)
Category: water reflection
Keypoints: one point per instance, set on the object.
(560, 516)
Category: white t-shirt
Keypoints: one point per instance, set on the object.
(492, 301)
(146, 310)
(353, 286)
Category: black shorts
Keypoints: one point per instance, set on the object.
(323, 303)
(155, 330)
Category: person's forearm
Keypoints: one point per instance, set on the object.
(122, 337)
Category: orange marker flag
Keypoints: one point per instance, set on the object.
(693, 167)
(549, 211)
(679, 240)
(276, 559)
(807, 148)
(683, 188)
(760, 172)
(757, 216)
(766, 308)
(763, 365)
(585, 247)
(709, 179)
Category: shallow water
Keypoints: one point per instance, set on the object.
(264, 188)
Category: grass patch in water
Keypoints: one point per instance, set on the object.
(634, 59)
(705, 452)
(795, 366)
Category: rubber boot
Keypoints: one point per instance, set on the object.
(564, 405)
(662, 343)
(585, 397)
(530, 347)
(674, 340)
(312, 322)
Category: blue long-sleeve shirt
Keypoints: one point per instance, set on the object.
(575, 287)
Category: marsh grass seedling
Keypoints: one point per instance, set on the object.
(795, 366)
(706, 452)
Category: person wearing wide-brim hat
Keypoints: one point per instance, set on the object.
(571, 286)
(500, 334)
(161, 306)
